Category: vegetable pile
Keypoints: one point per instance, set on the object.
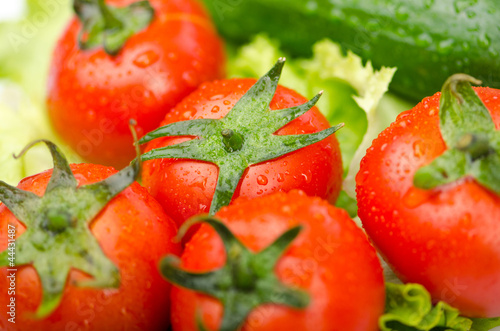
(266, 181)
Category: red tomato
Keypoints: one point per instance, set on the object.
(331, 259)
(447, 238)
(185, 188)
(92, 95)
(134, 232)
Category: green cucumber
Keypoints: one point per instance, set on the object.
(427, 40)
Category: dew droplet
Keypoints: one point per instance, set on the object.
(418, 149)
(471, 14)
(307, 176)
(216, 97)
(262, 180)
(146, 59)
(402, 13)
(312, 6)
(423, 40)
(215, 109)
(484, 41)
(415, 197)
(189, 77)
(281, 177)
(445, 46)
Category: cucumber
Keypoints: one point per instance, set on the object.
(427, 40)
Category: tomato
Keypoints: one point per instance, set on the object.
(330, 260)
(186, 187)
(445, 238)
(133, 232)
(92, 95)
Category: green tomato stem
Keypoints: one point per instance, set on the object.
(110, 21)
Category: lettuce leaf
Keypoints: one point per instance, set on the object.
(409, 308)
(22, 122)
(27, 44)
(24, 61)
(353, 94)
(485, 324)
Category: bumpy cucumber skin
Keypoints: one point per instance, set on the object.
(427, 40)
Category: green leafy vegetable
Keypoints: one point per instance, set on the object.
(27, 45)
(24, 60)
(409, 308)
(484, 324)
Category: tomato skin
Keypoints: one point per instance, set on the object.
(134, 233)
(447, 239)
(185, 188)
(92, 96)
(331, 259)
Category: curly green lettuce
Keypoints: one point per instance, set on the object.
(409, 308)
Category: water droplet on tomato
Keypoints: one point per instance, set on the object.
(307, 176)
(418, 149)
(215, 109)
(189, 77)
(415, 197)
(188, 114)
(362, 176)
(281, 177)
(172, 56)
(216, 97)
(262, 180)
(227, 102)
(146, 59)
(466, 220)
(91, 115)
(103, 101)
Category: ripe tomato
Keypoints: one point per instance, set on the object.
(92, 95)
(133, 232)
(185, 188)
(330, 259)
(446, 238)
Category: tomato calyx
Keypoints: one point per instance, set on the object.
(246, 281)
(232, 140)
(245, 136)
(471, 138)
(110, 27)
(57, 237)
